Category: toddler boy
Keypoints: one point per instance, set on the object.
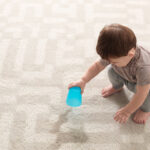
(129, 66)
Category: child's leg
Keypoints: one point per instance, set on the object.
(131, 86)
(143, 113)
(116, 80)
(117, 83)
(146, 105)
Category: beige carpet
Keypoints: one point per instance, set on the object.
(45, 45)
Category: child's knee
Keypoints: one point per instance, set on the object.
(111, 72)
(146, 105)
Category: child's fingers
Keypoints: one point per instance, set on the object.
(82, 91)
(70, 85)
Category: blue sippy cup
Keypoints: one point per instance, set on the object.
(74, 98)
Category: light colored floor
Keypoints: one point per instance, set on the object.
(46, 44)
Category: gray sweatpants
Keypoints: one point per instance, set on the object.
(118, 82)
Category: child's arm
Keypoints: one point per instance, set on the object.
(93, 70)
(138, 98)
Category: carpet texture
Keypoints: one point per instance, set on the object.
(45, 45)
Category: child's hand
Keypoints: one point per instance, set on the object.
(81, 83)
(121, 116)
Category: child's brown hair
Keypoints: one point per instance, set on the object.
(114, 41)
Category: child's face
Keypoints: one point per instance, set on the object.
(124, 60)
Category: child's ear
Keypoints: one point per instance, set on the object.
(131, 53)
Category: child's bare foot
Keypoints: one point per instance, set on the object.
(141, 117)
(109, 91)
